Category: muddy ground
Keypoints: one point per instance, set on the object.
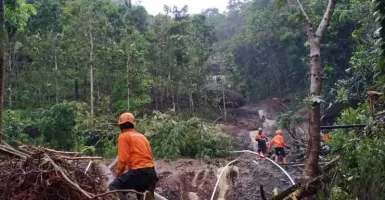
(188, 179)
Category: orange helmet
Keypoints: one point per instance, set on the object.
(126, 117)
(278, 132)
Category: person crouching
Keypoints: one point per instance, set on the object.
(134, 153)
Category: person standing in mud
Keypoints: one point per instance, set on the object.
(261, 140)
(134, 153)
(279, 144)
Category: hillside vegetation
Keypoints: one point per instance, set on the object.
(72, 66)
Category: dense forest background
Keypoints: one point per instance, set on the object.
(73, 66)
(117, 57)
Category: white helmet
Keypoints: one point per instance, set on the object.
(260, 129)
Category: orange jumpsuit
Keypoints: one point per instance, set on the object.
(326, 137)
(277, 142)
(134, 152)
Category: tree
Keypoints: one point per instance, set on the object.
(18, 13)
(380, 18)
(86, 30)
(314, 39)
(3, 38)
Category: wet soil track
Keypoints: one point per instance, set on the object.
(189, 179)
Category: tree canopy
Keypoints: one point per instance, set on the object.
(74, 65)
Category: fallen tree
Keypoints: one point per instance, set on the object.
(40, 173)
(300, 190)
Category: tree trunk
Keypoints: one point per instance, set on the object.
(128, 82)
(154, 93)
(56, 71)
(85, 88)
(2, 63)
(76, 90)
(16, 99)
(311, 169)
(91, 72)
(223, 96)
(10, 74)
(191, 101)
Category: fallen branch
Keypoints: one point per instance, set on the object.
(113, 164)
(6, 144)
(61, 152)
(331, 164)
(80, 158)
(88, 167)
(300, 187)
(57, 168)
(13, 152)
(116, 191)
(301, 164)
(51, 151)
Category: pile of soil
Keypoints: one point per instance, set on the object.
(187, 178)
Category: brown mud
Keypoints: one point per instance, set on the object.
(189, 179)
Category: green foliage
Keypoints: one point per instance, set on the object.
(137, 59)
(172, 137)
(17, 13)
(69, 126)
(57, 125)
(54, 126)
(263, 51)
(337, 193)
(289, 120)
(65, 126)
(361, 169)
(15, 126)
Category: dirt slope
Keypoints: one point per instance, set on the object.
(188, 179)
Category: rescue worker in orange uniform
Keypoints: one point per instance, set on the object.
(326, 137)
(134, 153)
(279, 144)
(262, 140)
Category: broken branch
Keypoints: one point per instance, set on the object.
(80, 158)
(13, 152)
(69, 181)
(300, 187)
(116, 191)
(113, 164)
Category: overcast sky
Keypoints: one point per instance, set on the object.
(195, 6)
